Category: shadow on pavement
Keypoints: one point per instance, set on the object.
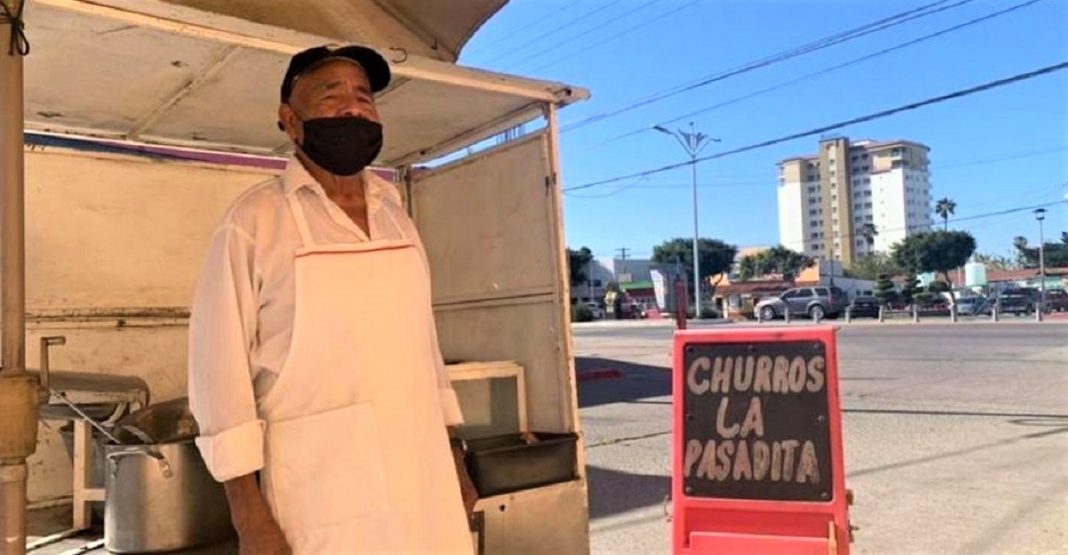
(613, 492)
(636, 381)
(1057, 424)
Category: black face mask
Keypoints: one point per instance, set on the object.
(343, 145)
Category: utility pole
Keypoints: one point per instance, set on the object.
(623, 264)
(1040, 214)
(589, 279)
(693, 143)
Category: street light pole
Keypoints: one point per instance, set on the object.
(1040, 214)
(693, 143)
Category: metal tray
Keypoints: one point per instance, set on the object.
(506, 463)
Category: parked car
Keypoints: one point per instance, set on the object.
(595, 309)
(973, 306)
(811, 302)
(634, 311)
(864, 306)
(1056, 300)
(1018, 301)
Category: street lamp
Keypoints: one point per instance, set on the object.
(1040, 214)
(693, 143)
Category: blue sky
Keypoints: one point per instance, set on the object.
(990, 151)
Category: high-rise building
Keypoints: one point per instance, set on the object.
(827, 200)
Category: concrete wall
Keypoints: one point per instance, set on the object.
(114, 244)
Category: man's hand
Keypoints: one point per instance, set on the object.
(258, 532)
(262, 537)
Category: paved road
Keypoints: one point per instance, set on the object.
(956, 437)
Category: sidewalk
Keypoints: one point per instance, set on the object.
(647, 323)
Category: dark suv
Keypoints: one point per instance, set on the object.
(803, 302)
(1056, 300)
(1018, 301)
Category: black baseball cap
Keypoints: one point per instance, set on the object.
(373, 64)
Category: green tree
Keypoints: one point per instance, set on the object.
(938, 287)
(945, 208)
(784, 261)
(1056, 254)
(747, 268)
(910, 288)
(868, 232)
(776, 260)
(995, 261)
(873, 265)
(884, 289)
(715, 256)
(934, 251)
(577, 263)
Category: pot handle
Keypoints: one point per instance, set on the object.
(140, 450)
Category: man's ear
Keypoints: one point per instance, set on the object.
(290, 123)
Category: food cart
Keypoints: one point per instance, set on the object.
(144, 119)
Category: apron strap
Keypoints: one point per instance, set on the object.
(301, 220)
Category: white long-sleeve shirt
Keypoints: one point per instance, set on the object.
(242, 317)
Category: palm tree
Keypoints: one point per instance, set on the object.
(945, 208)
(868, 232)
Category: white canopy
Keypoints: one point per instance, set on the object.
(159, 72)
(432, 28)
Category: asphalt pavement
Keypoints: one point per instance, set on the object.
(956, 436)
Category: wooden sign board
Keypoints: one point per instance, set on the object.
(758, 454)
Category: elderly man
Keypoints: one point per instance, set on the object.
(314, 368)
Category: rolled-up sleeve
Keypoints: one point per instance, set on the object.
(221, 332)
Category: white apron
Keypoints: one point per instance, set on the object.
(357, 454)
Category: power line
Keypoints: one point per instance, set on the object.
(831, 69)
(831, 127)
(1006, 158)
(530, 25)
(637, 184)
(1007, 211)
(819, 44)
(580, 35)
(541, 37)
(618, 35)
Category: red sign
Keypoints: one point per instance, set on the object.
(757, 461)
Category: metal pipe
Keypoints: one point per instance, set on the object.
(13, 507)
(692, 142)
(19, 392)
(1040, 215)
(103, 431)
(12, 232)
(696, 258)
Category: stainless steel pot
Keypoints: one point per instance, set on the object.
(160, 497)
